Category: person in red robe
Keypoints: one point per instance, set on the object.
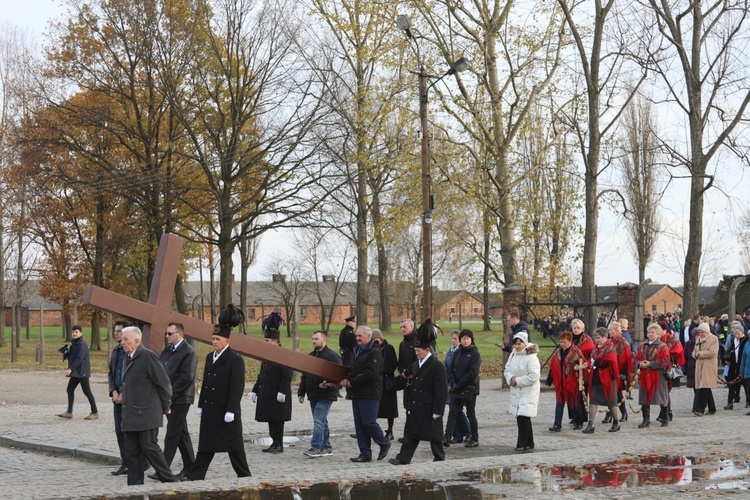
(603, 379)
(564, 375)
(676, 356)
(624, 367)
(586, 345)
(653, 359)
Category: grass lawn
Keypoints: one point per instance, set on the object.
(485, 341)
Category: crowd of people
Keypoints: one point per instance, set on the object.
(590, 374)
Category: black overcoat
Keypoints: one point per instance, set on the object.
(221, 392)
(272, 380)
(146, 392)
(426, 398)
(388, 401)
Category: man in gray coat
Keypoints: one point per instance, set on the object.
(146, 398)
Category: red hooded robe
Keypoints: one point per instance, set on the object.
(565, 377)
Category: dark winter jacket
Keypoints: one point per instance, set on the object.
(309, 385)
(366, 375)
(465, 370)
(78, 360)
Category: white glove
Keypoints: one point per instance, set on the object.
(435, 416)
(229, 417)
(253, 397)
(280, 397)
(199, 411)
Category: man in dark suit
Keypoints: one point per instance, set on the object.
(180, 362)
(146, 397)
(424, 412)
(116, 367)
(219, 408)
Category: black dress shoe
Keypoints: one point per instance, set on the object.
(384, 452)
(119, 472)
(471, 444)
(353, 436)
(521, 449)
(360, 459)
(170, 479)
(396, 461)
(447, 444)
(401, 440)
(153, 476)
(274, 449)
(578, 427)
(555, 429)
(389, 436)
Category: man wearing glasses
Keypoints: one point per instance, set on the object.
(180, 362)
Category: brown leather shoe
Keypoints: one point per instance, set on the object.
(65, 415)
(93, 416)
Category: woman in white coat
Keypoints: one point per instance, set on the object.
(522, 375)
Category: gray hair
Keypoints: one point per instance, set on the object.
(366, 329)
(134, 329)
(408, 321)
(655, 327)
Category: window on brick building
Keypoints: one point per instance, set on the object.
(251, 312)
(303, 312)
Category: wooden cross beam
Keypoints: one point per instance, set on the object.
(157, 313)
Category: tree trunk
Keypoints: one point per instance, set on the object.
(486, 272)
(384, 321)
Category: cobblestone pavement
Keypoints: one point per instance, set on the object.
(44, 456)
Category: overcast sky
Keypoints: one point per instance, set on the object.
(614, 256)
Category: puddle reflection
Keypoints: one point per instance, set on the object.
(628, 472)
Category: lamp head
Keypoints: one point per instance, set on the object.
(462, 64)
(404, 24)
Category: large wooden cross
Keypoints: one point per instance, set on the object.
(158, 313)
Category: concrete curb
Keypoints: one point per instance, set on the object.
(97, 456)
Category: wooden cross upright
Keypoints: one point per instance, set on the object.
(157, 313)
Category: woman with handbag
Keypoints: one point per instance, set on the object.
(465, 387)
(522, 374)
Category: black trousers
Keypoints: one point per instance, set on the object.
(276, 431)
(410, 444)
(72, 384)
(178, 436)
(734, 392)
(454, 409)
(141, 445)
(525, 432)
(203, 460)
(705, 397)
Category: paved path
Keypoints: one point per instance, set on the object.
(47, 457)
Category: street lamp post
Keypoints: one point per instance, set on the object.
(427, 205)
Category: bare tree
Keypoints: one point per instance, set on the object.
(707, 42)
(599, 49)
(641, 181)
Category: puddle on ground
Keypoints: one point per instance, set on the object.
(627, 472)
(371, 490)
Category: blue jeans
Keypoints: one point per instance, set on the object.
(366, 425)
(577, 414)
(321, 435)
